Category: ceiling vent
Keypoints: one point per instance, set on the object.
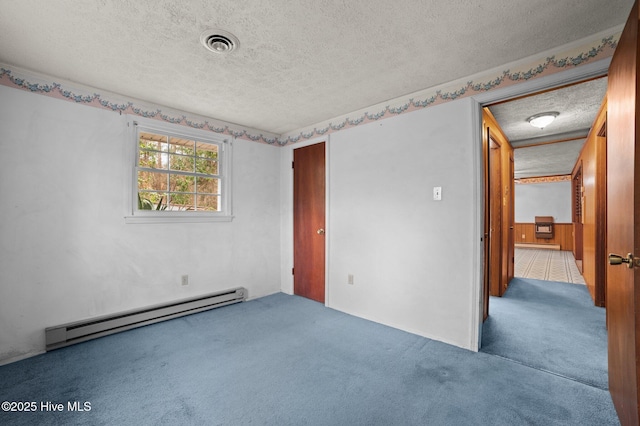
(219, 41)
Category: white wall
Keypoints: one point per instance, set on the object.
(543, 199)
(412, 258)
(65, 251)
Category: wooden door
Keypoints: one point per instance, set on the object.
(511, 221)
(577, 201)
(309, 222)
(486, 224)
(601, 216)
(495, 218)
(623, 223)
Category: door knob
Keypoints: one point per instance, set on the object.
(615, 259)
(320, 231)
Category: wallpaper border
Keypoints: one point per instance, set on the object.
(56, 88)
(572, 56)
(543, 179)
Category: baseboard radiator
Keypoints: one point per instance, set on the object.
(80, 331)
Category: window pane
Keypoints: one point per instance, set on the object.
(152, 200)
(181, 183)
(209, 203)
(152, 159)
(150, 147)
(205, 166)
(179, 162)
(181, 202)
(208, 185)
(207, 150)
(152, 181)
(181, 146)
(151, 141)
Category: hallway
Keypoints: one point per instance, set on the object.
(549, 326)
(545, 322)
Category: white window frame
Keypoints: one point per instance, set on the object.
(225, 143)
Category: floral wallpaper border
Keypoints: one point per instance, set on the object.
(604, 48)
(543, 179)
(23, 80)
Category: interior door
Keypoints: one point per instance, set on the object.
(486, 224)
(495, 218)
(623, 223)
(576, 187)
(309, 222)
(511, 221)
(601, 217)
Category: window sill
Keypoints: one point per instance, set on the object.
(176, 219)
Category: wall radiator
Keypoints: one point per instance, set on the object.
(80, 331)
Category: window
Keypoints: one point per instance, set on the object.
(180, 174)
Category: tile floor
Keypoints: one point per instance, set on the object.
(548, 265)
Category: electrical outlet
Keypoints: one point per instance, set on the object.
(350, 279)
(523, 236)
(185, 280)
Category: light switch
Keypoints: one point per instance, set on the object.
(437, 193)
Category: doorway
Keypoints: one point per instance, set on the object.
(577, 190)
(510, 314)
(498, 224)
(550, 164)
(496, 284)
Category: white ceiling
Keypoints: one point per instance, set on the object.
(555, 159)
(577, 104)
(554, 149)
(299, 63)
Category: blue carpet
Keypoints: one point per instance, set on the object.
(285, 360)
(551, 326)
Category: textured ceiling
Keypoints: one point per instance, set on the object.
(546, 160)
(578, 106)
(299, 63)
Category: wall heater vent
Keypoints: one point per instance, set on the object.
(80, 331)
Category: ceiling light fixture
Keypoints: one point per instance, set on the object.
(543, 119)
(219, 41)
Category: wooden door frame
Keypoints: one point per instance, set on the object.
(496, 214)
(511, 251)
(601, 213)
(287, 232)
(498, 244)
(577, 219)
(573, 75)
(486, 290)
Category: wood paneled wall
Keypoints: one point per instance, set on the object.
(592, 163)
(562, 235)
